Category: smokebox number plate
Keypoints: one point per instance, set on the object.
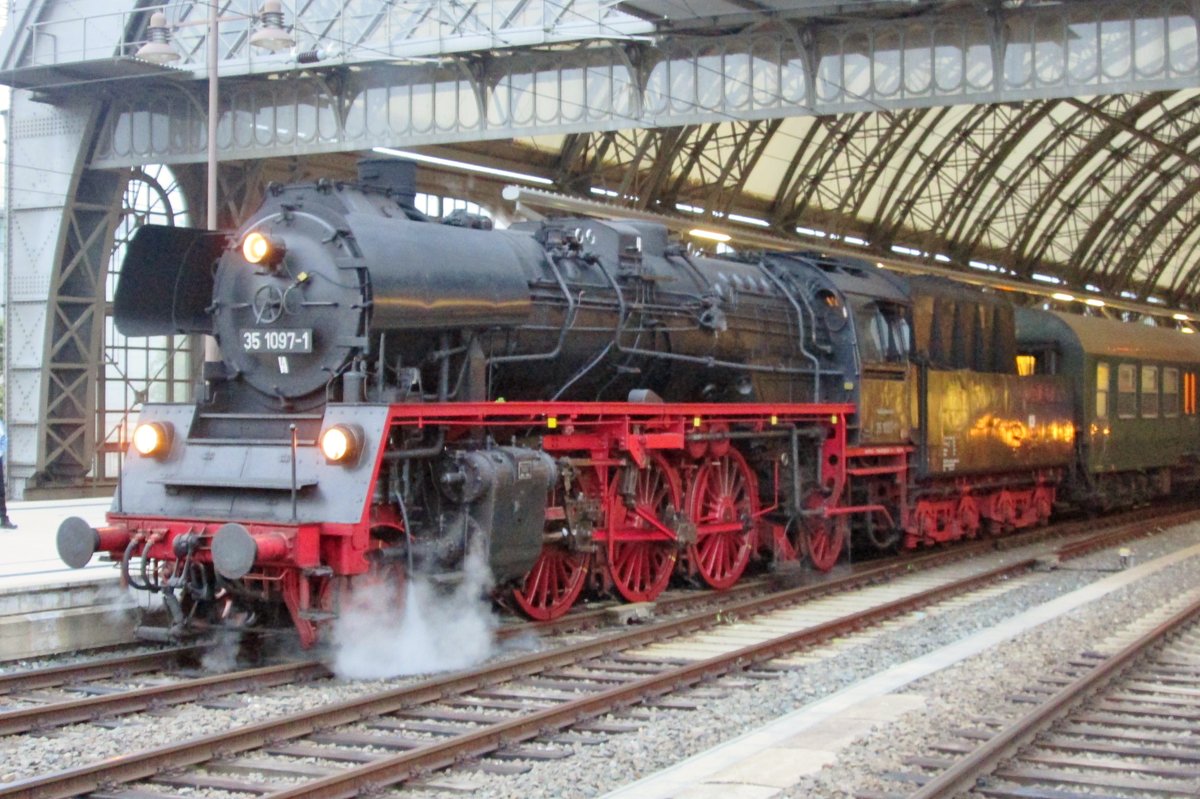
(278, 341)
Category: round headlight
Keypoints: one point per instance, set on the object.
(340, 443)
(256, 248)
(152, 438)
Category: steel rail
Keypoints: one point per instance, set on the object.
(964, 774)
(148, 697)
(119, 665)
(397, 768)
(139, 699)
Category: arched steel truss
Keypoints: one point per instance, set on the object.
(1102, 192)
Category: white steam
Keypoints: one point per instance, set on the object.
(388, 631)
(222, 656)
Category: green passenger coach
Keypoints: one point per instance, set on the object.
(1135, 412)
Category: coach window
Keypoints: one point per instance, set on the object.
(1127, 390)
(1150, 391)
(1170, 391)
(1189, 393)
(1103, 378)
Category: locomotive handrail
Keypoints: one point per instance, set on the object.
(568, 322)
(799, 324)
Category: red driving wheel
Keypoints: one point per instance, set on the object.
(723, 504)
(641, 547)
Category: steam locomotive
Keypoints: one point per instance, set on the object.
(587, 406)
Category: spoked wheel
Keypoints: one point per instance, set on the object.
(553, 583)
(822, 537)
(641, 547)
(723, 505)
(559, 574)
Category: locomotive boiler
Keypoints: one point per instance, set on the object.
(581, 403)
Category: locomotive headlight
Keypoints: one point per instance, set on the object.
(258, 248)
(152, 439)
(341, 443)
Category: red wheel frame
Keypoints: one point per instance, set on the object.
(723, 504)
(553, 583)
(641, 548)
(968, 517)
(1005, 509)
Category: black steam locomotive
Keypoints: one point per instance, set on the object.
(587, 406)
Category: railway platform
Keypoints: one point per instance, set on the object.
(45, 607)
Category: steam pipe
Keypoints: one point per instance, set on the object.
(699, 359)
(430, 451)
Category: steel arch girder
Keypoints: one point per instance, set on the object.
(76, 333)
(956, 220)
(1066, 210)
(719, 162)
(1126, 205)
(917, 182)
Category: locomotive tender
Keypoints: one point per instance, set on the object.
(587, 405)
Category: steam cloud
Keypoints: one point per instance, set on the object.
(379, 635)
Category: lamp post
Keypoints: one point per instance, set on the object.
(271, 36)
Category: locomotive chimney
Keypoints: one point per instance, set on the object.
(394, 174)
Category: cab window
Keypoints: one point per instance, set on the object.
(1040, 361)
(884, 335)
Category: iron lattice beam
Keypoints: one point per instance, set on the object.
(487, 71)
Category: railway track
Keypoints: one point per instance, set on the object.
(107, 702)
(496, 709)
(1121, 725)
(117, 666)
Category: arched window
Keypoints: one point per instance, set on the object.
(145, 369)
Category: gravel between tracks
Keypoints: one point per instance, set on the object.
(978, 686)
(666, 736)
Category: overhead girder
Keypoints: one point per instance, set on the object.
(1039, 180)
(1151, 234)
(717, 164)
(963, 221)
(921, 185)
(1183, 248)
(431, 73)
(1069, 184)
(803, 182)
(1117, 181)
(889, 138)
(1160, 176)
